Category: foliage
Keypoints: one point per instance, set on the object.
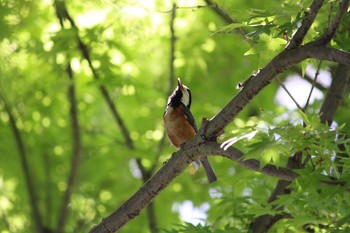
(128, 53)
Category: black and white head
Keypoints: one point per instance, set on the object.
(180, 95)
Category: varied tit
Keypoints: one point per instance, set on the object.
(180, 125)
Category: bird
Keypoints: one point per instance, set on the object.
(180, 125)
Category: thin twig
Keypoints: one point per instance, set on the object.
(76, 151)
(120, 122)
(146, 174)
(221, 12)
(172, 50)
(187, 8)
(86, 54)
(313, 85)
(172, 79)
(288, 93)
(309, 79)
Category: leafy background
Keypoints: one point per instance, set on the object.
(129, 43)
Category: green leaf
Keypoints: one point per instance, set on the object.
(267, 47)
(303, 65)
(269, 155)
(229, 28)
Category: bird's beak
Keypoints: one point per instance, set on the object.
(179, 83)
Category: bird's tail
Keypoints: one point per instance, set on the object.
(208, 170)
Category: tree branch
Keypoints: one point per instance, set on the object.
(190, 151)
(48, 189)
(172, 50)
(308, 20)
(146, 174)
(332, 101)
(334, 24)
(25, 168)
(262, 223)
(133, 206)
(313, 85)
(212, 148)
(63, 14)
(308, 78)
(288, 93)
(76, 151)
(339, 85)
(172, 78)
(125, 132)
(179, 162)
(201, 145)
(278, 64)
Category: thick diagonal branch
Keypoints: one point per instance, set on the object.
(136, 203)
(278, 64)
(191, 151)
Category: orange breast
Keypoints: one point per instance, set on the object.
(177, 127)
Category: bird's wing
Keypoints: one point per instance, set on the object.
(189, 117)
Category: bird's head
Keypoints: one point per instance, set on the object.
(180, 95)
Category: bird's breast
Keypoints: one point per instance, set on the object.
(177, 127)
